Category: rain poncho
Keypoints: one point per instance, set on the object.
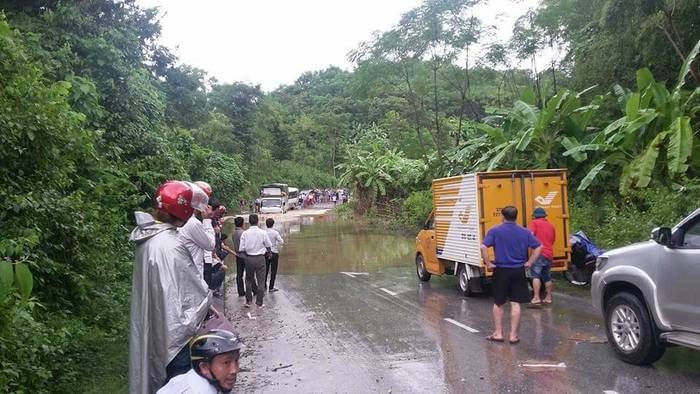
(169, 300)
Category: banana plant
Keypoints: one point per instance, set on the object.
(529, 137)
(656, 129)
(374, 170)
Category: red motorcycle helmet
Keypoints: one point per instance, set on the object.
(175, 198)
(205, 186)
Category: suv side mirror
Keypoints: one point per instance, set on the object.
(662, 236)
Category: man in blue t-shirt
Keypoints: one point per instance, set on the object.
(511, 244)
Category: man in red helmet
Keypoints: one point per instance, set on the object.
(169, 298)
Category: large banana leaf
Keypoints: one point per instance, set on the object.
(642, 120)
(525, 140)
(643, 166)
(525, 113)
(644, 78)
(582, 149)
(614, 126)
(680, 145)
(570, 143)
(496, 161)
(685, 69)
(590, 177)
(632, 107)
(495, 133)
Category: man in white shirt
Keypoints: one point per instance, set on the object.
(273, 260)
(215, 364)
(255, 244)
(198, 236)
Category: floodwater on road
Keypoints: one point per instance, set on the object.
(352, 317)
(330, 246)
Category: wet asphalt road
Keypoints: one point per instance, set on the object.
(384, 331)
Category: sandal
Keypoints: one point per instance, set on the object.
(514, 341)
(491, 338)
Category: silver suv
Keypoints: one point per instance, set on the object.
(649, 293)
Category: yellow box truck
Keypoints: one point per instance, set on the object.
(465, 207)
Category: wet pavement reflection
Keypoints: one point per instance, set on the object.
(351, 316)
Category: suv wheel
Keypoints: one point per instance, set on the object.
(422, 272)
(631, 331)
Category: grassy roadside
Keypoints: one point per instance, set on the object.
(108, 373)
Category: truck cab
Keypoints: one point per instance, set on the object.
(273, 205)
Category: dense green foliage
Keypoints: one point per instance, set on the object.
(95, 113)
(612, 224)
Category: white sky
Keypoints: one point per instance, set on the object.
(272, 42)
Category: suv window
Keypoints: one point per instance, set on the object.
(691, 237)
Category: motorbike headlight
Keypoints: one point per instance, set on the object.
(600, 262)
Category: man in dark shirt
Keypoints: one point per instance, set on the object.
(511, 244)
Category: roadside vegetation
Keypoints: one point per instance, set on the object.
(95, 113)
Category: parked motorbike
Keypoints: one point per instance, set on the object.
(583, 257)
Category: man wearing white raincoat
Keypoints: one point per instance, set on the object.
(169, 298)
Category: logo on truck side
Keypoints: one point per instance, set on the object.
(465, 214)
(547, 200)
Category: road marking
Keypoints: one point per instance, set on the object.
(354, 274)
(458, 324)
(391, 293)
(609, 392)
(544, 365)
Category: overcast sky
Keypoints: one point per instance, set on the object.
(272, 42)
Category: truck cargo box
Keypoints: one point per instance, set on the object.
(465, 207)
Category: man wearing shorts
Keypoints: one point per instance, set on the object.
(544, 231)
(511, 244)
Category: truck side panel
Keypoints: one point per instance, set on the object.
(457, 219)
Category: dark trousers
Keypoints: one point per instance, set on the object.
(240, 276)
(214, 275)
(255, 273)
(180, 364)
(271, 264)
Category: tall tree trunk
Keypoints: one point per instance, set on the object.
(554, 71)
(465, 92)
(676, 47)
(412, 101)
(436, 137)
(538, 88)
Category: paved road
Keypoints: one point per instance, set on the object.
(386, 332)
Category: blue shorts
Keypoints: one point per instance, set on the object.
(541, 269)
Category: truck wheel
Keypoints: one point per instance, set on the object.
(422, 272)
(463, 281)
(631, 331)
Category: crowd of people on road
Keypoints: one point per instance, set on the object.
(178, 340)
(306, 199)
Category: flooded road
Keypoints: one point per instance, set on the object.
(352, 317)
